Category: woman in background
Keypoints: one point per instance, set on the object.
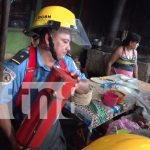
(124, 59)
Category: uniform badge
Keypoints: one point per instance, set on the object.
(6, 75)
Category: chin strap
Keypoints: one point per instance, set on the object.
(51, 45)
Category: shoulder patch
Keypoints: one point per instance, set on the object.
(6, 75)
(20, 57)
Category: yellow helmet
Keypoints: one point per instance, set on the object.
(120, 142)
(55, 17)
(51, 15)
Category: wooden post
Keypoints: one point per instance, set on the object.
(81, 9)
(4, 27)
(116, 21)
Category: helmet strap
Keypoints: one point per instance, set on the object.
(51, 46)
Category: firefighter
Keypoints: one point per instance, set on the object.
(54, 27)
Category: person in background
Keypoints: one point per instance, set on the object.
(54, 26)
(124, 59)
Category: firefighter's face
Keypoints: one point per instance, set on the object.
(61, 42)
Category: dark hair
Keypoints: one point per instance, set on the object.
(131, 37)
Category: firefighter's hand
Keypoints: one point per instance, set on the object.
(82, 86)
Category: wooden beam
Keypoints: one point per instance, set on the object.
(4, 27)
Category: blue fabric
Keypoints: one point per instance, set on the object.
(72, 67)
(40, 75)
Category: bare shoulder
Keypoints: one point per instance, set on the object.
(116, 54)
(118, 50)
